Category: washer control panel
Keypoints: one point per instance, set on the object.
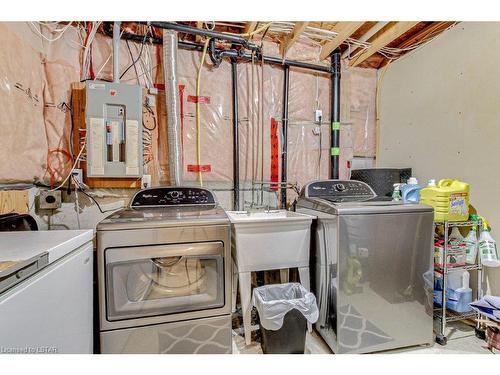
(345, 189)
(172, 196)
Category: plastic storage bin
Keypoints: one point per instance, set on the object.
(284, 310)
(450, 199)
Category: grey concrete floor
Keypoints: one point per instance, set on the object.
(461, 340)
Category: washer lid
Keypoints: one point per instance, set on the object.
(157, 217)
(351, 197)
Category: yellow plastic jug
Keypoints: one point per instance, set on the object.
(450, 199)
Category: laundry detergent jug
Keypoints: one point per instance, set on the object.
(450, 199)
(410, 192)
(459, 298)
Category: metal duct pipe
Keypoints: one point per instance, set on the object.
(173, 107)
(335, 115)
(284, 145)
(236, 141)
(116, 51)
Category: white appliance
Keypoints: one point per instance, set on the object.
(46, 301)
(164, 271)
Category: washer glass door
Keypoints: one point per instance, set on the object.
(163, 279)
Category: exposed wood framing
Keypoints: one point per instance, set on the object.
(343, 30)
(250, 26)
(388, 35)
(287, 43)
(432, 30)
(199, 25)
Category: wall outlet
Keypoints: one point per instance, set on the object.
(145, 181)
(77, 175)
(150, 101)
(318, 115)
(49, 200)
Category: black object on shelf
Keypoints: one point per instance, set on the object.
(289, 339)
(382, 180)
(17, 222)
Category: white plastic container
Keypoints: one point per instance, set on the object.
(269, 240)
(459, 299)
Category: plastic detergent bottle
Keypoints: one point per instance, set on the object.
(431, 183)
(471, 246)
(458, 299)
(410, 192)
(450, 199)
(396, 194)
(488, 249)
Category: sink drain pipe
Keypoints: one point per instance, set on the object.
(284, 139)
(236, 141)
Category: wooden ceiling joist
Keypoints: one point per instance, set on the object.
(344, 31)
(250, 26)
(392, 32)
(290, 39)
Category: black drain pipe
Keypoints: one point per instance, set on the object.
(335, 115)
(236, 141)
(284, 145)
(231, 38)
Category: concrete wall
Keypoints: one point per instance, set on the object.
(440, 114)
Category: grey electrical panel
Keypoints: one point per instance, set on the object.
(114, 129)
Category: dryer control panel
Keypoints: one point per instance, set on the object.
(342, 190)
(172, 196)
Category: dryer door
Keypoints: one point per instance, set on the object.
(163, 279)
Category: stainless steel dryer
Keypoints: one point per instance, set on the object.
(164, 268)
(371, 257)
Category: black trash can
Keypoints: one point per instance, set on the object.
(284, 310)
(289, 339)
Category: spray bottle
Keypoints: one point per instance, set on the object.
(488, 249)
(455, 237)
(470, 242)
(396, 194)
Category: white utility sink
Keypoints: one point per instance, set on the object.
(267, 240)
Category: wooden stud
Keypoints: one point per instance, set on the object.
(287, 43)
(392, 32)
(199, 25)
(344, 31)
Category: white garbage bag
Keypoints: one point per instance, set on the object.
(274, 301)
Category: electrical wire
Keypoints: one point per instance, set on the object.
(198, 114)
(138, 57)
(77, 183)
(72, 169)
(39, 32)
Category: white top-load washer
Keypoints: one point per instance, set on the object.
(370, 256)
(164, 267)
(46, 303)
